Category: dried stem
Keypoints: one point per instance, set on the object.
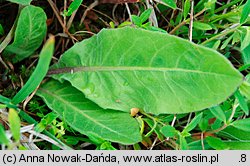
(191, 21)
(186, 21)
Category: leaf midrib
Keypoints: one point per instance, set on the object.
(130, 68)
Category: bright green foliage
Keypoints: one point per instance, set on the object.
(1, 30)
(239, 139)
(201, 25)
(186, 8)
(237, 145)
(193, 123)
(203, 125)
(4, 99)
(88, 118)
(210, 4)
(154, 126)
(170, 3)
(30, 32)
(216, 143)
(168, 131)
(243, 124)
(3, 137)
(245, 44)
(39, 73)
(245, 89)
(15, 124)
(139, 20)
(72, 7)
(118, 70)
(233, 133)
(218, 113)
(21, 2)
(242, 102)
(106, 146)
(183, 143)
(46, 120)
(145, 15)
(245, 12)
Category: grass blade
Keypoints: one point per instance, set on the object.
(15, 124)
(3, 137)
(39, 73)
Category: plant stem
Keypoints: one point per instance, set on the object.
(228, 121)
(226, 6)
(221, 34)
(191, 21)
(186, 21)
(151, 117)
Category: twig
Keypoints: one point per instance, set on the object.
(64, 17)
(129, 13)
(233, 112)
(223, 33)
(191, 21)
(186, 21)
(189, 118)
(91, 6)
(55, 10)
(29, 98)
(172, 124)
(100, 12)
(152, 17)
(202, 141)
(226, 6)
(228, 121)
(71, 19)
(224, 12)
(152, 146)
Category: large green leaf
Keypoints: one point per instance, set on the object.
(88, 118)
(125, 68)
(29, 34)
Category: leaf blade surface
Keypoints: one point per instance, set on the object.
(29, 34)
(86, 117)
(132, 68)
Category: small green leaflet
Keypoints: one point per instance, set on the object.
(195, 121)
(201, 25)
(186, 8)
(216, 143)
(218, 113)
(245, 12)
(242, 102)
(242, 124)
(169, 3)
(73, 7)
(168, 131)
